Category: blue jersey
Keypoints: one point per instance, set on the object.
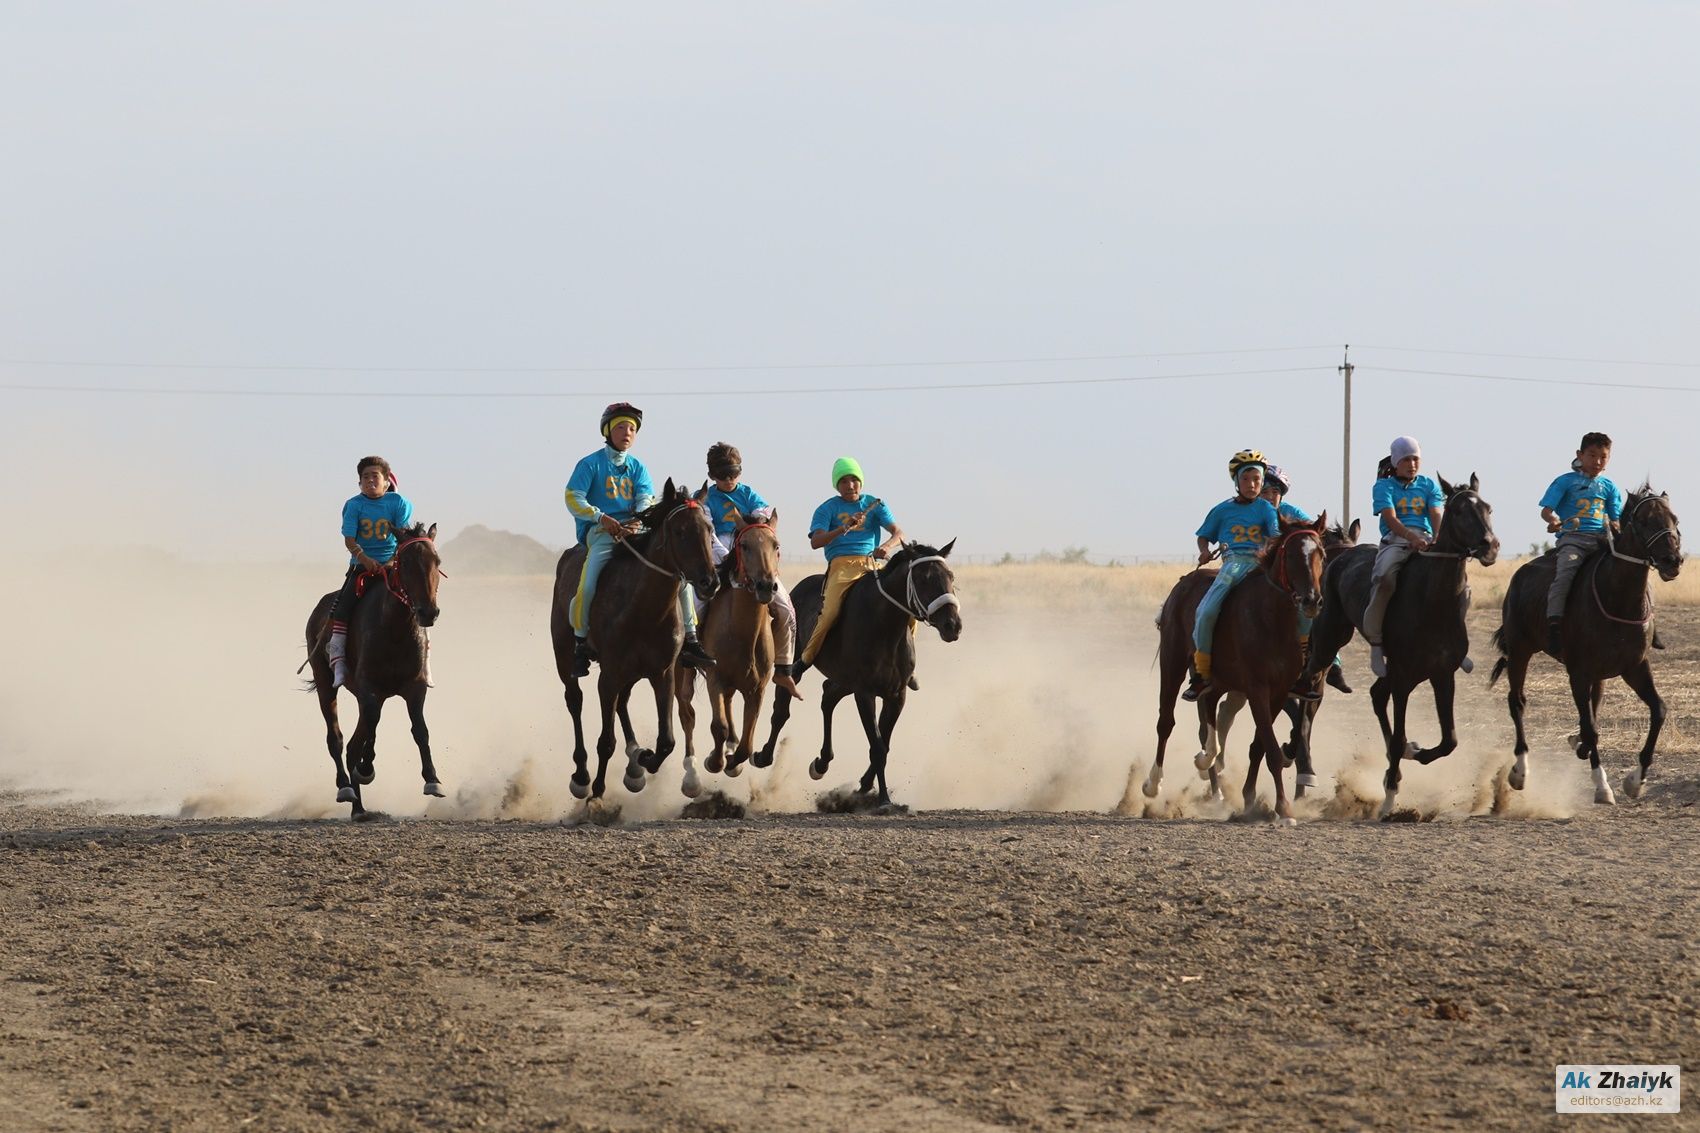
(1289, 512)
(724, 507)
(603, 485)
(1241, 528)
(1413, 503)
(834, 512)
(373, 523)
(1582, 504)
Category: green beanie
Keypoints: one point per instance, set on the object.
(845, 466)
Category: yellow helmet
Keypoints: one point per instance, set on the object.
(1241, 459)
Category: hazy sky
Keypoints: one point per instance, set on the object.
(566, 187)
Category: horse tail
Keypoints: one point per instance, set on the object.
(1504, 661)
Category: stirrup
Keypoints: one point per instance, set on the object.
(583, 655)
(1198, 687)
(693, 655)
(1305, 688)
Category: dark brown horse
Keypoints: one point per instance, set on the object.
(738, 633)
(870, 652)
(1257, 650)
(635, 626)
(386, 657)
(1425, 635)
(1608, 625)
(1217, 711)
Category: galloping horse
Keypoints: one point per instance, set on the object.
(870, 653)
(1217, 710)
(386, 657)
(1257, 650)
(1425, 634)
(1607, 628)
(738, 634)
(634, 623)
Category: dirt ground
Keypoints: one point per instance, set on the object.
(950, 969)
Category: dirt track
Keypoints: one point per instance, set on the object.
(937, 970)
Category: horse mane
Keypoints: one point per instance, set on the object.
(417, 531)
(909, 552)
(1643, 492)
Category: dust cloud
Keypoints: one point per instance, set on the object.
(142, 683)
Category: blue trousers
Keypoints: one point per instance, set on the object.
(1234, 569)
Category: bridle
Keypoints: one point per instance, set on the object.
(390, 572)
(1282, 579)
(911, 605)
(661, 528)
(740, 576)
(1475, 552)
(1646, 543)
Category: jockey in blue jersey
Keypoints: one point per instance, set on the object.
(605, 493)
(728, 501)
(369, 523)
(1276, 484)
(1582, 508)
(1240, 526)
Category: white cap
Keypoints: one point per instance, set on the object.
(1403, 447)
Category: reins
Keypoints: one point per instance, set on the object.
(1283, 581)
(661, 528)
(912, 604)
(390, 572)
(1646, 545)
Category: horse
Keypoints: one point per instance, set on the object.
(1607, 628)
(1217, 711)
(1425, 633)
(386, 657)
(634, 621)
(1257, 650)
(870, 652)
(738, 633)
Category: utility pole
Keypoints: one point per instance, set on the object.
(1346, 463)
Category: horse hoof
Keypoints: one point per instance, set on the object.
(1289, 820)
(1574, 739)
(1632, 784)
(634, 784)
(347, 795)
(435, 790)
(762, 759)
(1386, 808)
(1150, 787)
(691, 788)
(580, 787)
(817, 770)
(1304, 780)
(714, 764)
(1202, 761)
(1604, 797)
(1516, 777)
(364, 774)
(733, 770)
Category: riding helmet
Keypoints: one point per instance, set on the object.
(1276, 475)
(1242, 458)
(620, 409)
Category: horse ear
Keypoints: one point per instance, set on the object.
(773, 518)
(1352, 531)
(944, 551)
(1475, 484)
(1321, 523)
(701, 492)
(668, 492)
(1448, 489)
(432, 533)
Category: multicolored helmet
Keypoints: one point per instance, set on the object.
(1246, 456)
(618, 410)
(1276, 475)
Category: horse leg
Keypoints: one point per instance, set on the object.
(345, 792)
(580, 782)
(363, 745)
(831, 693)
(1380, 693)
(684, 688)
(752, 716)
(1165, 725)
(662, 685)
(606, 696)
(781, 713)
(422, 737)
(1297, 747)
(889, 712)
(1444, 690)
(1640, 679)
(1586, 693)
(1398, 747)
(717, 707)
(1517, 671)
(1271, 745)
(870, 728)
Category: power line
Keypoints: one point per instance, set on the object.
(709, 369)
(1534, 357)
(506, 395)
(1530, 381)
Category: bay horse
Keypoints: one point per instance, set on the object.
(635, 626)
(1257, 650)
(1217, 711)
(738, 633)
(870, 652)
(386, 657)
(1425, 636)
(1608, 620)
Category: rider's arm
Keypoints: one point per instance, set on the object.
(890, 544)
(1203, 550)
(1551, 517)
(1410, 535)
(360, 557)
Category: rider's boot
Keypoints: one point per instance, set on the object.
(583, 655)
(783, 678)
(336, 651)
(1337, 678)
(692, 655)
(1200, 677)
(1555, 637)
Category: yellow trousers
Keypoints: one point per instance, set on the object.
(840, 574)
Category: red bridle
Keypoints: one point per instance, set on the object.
(739, 574)
(1282, 577)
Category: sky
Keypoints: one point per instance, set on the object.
(730, 213)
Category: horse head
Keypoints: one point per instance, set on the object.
(1467, 527)
(929, 587)
(1294, 562)
(1651, 532)
(683, 534)
(755, 555)
(419, 567)
(1340, 538)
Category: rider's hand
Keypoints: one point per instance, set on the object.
(879, 553)
(1554, 527)
(369, 564)
(611, 525)
(1204, 558)
(856, 522)
(1418, 540)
